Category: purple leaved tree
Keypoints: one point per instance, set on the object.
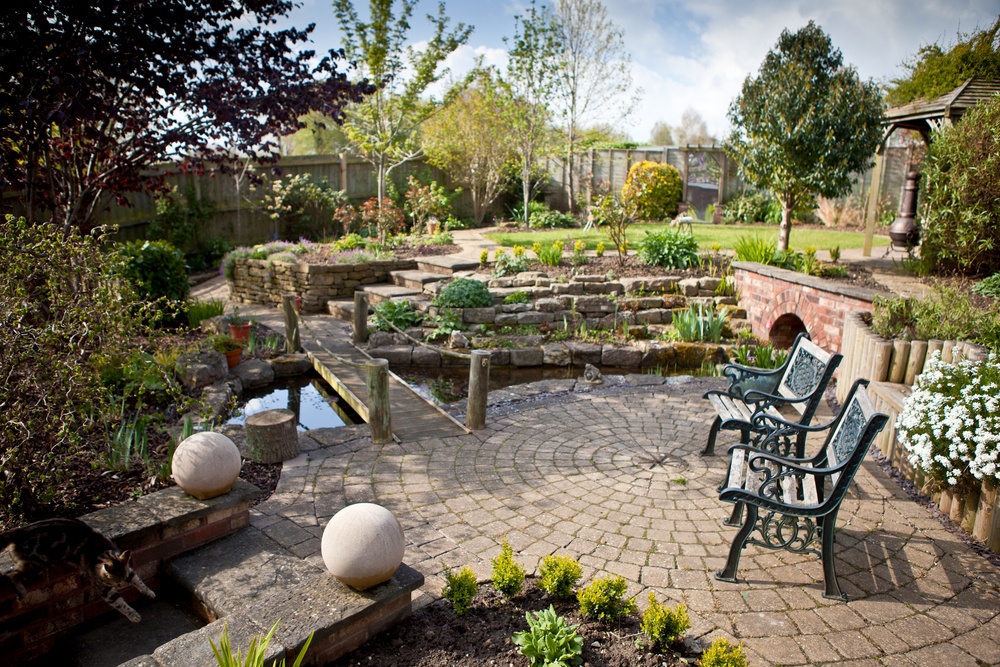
(93, 94)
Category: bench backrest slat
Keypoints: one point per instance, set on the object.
(847, 436)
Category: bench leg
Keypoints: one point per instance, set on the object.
(739, 541)
(827, 525)
(712, 435)
(800, 445)
(736, 518)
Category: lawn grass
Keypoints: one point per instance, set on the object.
(705, 235)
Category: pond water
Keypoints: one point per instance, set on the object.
(315, 403)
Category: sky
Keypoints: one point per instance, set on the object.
(697, 53)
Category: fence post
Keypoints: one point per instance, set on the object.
(360, 318)
(479, 387)
(291, 323)
(379, 412)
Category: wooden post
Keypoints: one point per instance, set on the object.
(272, 436)
(379, 411)
(292, 342)
(360, 318)
(915, 364)
(993, 540)
(984, 515)
(479, 387)
(848, 349)
(946, 351)
(343, 172)
(874, 194)
(900, 355)
(933, 346)
(969, 511)
(880, 363)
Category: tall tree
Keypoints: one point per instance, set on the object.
(321, 135)
(382, 128)
(530, 82)
(661, 134)
(934, 71)
(805, 123)
(468, 140)
(595, 72)
(692, 131)
(94, 93)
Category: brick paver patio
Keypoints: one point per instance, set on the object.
(613, 477)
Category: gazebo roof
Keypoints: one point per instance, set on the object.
(924, 116)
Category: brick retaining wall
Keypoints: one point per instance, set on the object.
(767, 293)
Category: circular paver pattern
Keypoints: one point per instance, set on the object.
(615, 479)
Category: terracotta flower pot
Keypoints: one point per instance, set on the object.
(233, 357)
(240, 332)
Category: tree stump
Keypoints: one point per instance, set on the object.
(272, 436)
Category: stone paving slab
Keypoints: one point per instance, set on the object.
(613, 477)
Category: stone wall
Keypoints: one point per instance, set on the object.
(263, 282)
(645, 306)
(767, 293)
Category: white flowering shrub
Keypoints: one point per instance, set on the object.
(950, 424)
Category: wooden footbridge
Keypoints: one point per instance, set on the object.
(328, 343)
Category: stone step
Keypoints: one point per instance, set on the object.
(414, 279)
(385, 292)
(342, 309)
(446, 265)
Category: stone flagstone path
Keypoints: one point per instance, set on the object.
(613, 477)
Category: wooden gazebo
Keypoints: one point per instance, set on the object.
(924, 117)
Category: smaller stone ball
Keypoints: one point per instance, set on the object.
(206, 464)
(363, 545)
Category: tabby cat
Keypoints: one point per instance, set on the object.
(53, 541)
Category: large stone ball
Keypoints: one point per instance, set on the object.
(206, 464)
(363, 545)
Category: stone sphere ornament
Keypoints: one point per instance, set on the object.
(206, 464)
(363, 545)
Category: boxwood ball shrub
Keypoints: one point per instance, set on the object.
(654, 188)
(604, 599)
(508, 575)
(558, 575)
(460, 588)
(464, 293)
(961, 193)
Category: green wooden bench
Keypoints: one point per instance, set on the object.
(754, 394)
(792, 503)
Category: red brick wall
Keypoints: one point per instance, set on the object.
(768, 293)
(62, 599)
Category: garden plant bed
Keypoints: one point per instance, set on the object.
(435, 636)
(325, 253)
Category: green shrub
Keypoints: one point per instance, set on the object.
(399, 313)
(202, 310)
(549, 642)
(755, 248)
(157, 271)
(961, 193)
(988, 286)
(752, 207)
(446, 323)
(508, 575)
(464, 293)
(604, 599)
(946, 314)
(723, 654)
(670, 249)
(179, 221)
(519, 296)
(350, 241)
(696, 325)
(508, 265)
(551, 255)
(542, 217)
(663, 625)
(558, 575)
(68, 322)
(460, 588)
(654, 188)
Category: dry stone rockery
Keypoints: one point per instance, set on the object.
(645, 306)
(264, 281)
